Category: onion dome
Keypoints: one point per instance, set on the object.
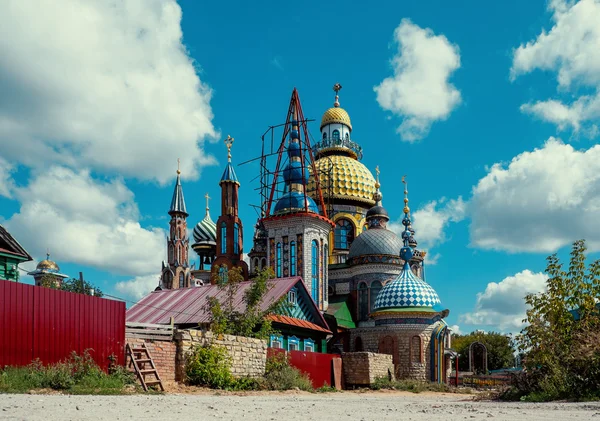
(336, 114)
(343, 177)
(407, 291)
(229, 175)
(205, 231)
(376, 242)
(295, 176)
(47, 265)
(178, 202)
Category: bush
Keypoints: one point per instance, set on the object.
(280, 375)
(77, 374)
(209, 366)
(407, 385)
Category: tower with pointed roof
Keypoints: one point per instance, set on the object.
(229, 235)
(176, 270)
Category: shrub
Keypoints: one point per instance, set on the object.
(408, 385)
(280, 375)
(209, 366)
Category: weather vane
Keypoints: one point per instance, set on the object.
(229, 143)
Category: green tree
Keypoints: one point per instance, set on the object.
(500, 348)
(560, 342)
(81, 287)
(248, 318)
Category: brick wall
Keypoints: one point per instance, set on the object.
(248, 355)
(362, 368)
(163, 354)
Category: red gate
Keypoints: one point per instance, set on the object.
(37, 322)
(319, 367)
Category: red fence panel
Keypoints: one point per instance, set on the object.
(48, 324)
(319, 367)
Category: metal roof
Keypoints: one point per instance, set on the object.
(189, 305)
(9, 245)
(178, 202)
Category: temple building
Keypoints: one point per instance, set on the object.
(47, 272)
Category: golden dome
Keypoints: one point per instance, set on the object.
(350, 179)
(47, 265)
(336, 115)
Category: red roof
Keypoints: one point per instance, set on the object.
(188, 305)
(292, 321)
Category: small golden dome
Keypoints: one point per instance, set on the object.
(336, 115)
(47, 264)
(350, 179)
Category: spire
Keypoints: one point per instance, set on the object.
(337, 87)
(406, 252)
(377, 196)
(178, 202)
(207, 215)
(229, 173)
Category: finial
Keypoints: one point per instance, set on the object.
(377, 172)
(377, 196)
(207, 208)
(178, 170)
(406, 208)
(229, 143)
(47, 254)
(337, 88)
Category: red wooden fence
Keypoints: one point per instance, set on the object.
(43, 323)
(319, 367)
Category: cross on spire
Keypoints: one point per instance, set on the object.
(207, 199)
(229, 143)
(337, 88)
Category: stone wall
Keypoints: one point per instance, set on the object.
(362, 368)
(248, 355)
(164, 354)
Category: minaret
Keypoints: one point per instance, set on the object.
(229, 225)
(417, 258)
(176, 271)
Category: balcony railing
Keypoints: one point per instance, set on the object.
(339, 143)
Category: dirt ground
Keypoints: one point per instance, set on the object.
(375, 406)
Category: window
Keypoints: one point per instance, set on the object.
(223, 274)
(171, 256)
(309, 345)
(236, 239)
(315, 271)
(363, 302)
(415, 350)
(293, 258)
(276, 342)
(278, 265)
(375, 288)
(223, 238)
(347, 136)
(181, 280)
(324, 136)
(263, 263)
(335, 135)
(292, 296)
(293, 343)
(343, 234)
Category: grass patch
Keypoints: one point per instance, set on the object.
(414, 386)
(76, 375)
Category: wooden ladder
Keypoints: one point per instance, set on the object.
(140, 357)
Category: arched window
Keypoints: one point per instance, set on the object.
(315, 271)
(223, 274)
(223, 238)
(363, 302)
(181, 280)
(168, 280)
(236, 239)
(347, 136)
(324, 136)
(293, 258)
(335, 135)
(343, 234)
(416, 354)
(171, 256)
(255, 264)
(278, 265)
(263, 263)
(375, 288)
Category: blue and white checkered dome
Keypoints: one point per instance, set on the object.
(405, 292)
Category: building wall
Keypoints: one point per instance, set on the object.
(363, 368)
(164, 355)
(397, 340)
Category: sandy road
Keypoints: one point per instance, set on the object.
(296, 406)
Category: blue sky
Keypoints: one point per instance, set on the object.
(490, 109)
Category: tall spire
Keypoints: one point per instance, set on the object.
(406, 252)
(178, 202)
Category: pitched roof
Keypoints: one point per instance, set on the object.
(229, 175)
(178, 202)
(188, 305)
(292, 321)
(9, 245)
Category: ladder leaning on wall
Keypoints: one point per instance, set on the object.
(140, 358)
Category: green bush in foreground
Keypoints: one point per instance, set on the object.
(209, 366)
(79, 374)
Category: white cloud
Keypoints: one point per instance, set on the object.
(6, 181)
(419, 91)
(570, 48)
(138, 287)
(541, 201)
(431, 221)
(106, 85)
(456, 329)
(85, 221)
(502, 304)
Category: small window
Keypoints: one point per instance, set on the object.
(276, 342)
(278, 260)
(293, 258)
(223, 238)
(293, 347)
(335, 135)
(343, 234)
(309, 345)
(324, 136)
(181, 280)
(223, 274)
(292, 296)
(236, 239)
(347, 136)
(293, 343)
